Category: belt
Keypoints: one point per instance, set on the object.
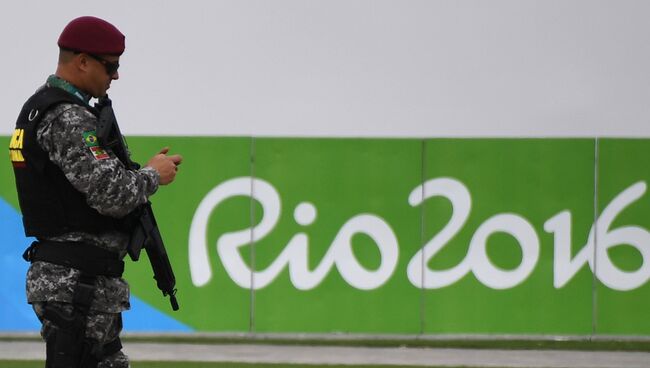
(89, 259)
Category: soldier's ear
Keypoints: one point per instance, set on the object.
(82, 62)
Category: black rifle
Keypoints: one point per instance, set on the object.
(145, 231)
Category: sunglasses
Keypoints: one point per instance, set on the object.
(110, 66)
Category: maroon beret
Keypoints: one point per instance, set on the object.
(92, 35)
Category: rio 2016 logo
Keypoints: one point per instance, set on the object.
(340, 254)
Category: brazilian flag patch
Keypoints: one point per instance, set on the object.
(90, 140)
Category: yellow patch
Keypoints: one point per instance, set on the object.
(15, 148)
(17, 139)
(16, 156)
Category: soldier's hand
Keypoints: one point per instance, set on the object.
(167, 166)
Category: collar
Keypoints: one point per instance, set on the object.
(54, 81)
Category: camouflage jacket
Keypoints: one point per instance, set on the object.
(108, 187)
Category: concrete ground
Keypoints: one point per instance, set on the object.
(249, 353)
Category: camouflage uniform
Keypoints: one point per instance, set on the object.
(111, 190)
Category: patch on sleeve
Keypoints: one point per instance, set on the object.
(90, 140)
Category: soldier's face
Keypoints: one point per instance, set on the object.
(100, 79)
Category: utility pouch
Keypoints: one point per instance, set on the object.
(63, 349)
(64, 342)
(91, 354)
(67, 346)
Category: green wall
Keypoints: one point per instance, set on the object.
(403, 235)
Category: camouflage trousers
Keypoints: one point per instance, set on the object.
(100, 327)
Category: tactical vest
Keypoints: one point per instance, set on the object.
(50, 205)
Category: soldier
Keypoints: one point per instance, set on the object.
(75, 197)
